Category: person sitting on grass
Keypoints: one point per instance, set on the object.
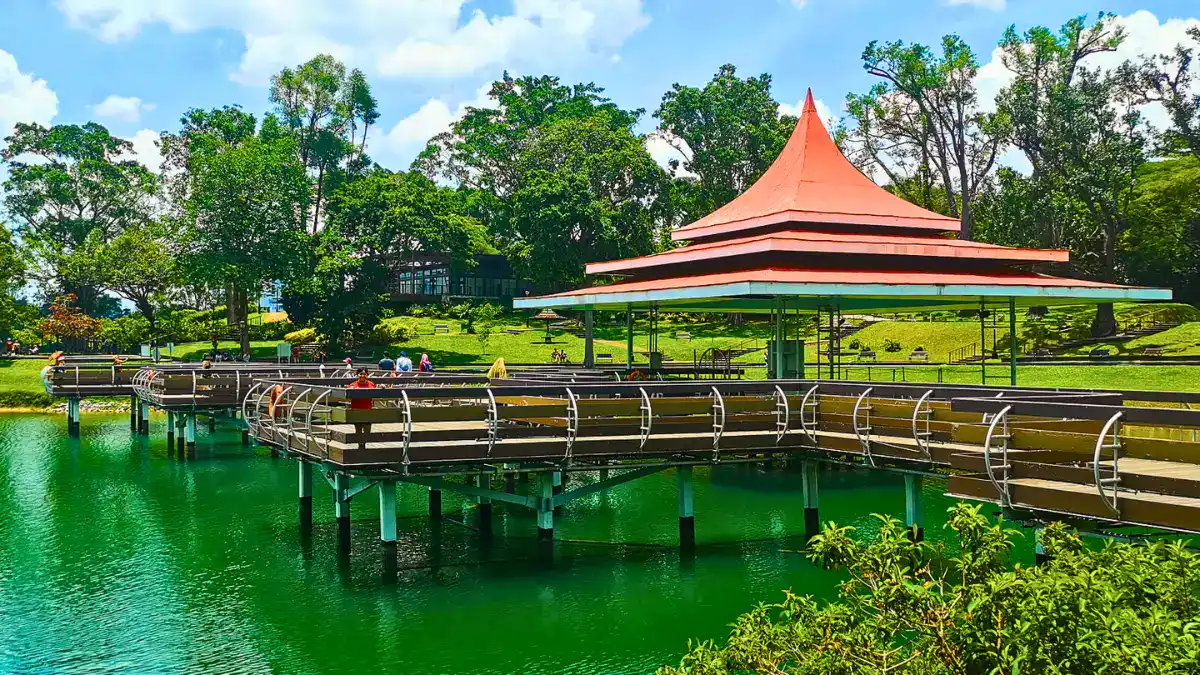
(361, 429)
(403, 364)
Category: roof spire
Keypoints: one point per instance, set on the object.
(809, 104)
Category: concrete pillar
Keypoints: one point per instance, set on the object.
(306, 495)
(341, 507)
(1039, 551)
(245, 437)
(1012, 341)
(687, 514)
(483, 510)
(387, 512)
(170, 433)
(180, 434)
(812, 523)
(144, 425)
(212, 423)
(629, 338)
(133, 412)
(510, 483)
(589, 355)
(435, 505)
(556, 482)
(191, 436)
(914, 516)
(545, 508)
(72, 417)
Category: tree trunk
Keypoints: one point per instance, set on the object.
(968, 215)
(1105, 323)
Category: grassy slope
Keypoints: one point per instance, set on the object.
(939, 338)
(21, 384)
(1153, 378)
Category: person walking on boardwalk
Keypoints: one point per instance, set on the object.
(403, 364)
(361, 429)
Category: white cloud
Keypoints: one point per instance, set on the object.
(994, 5)
(662, 147)
(22, 98)
(121, 108)
(145, 149)
(401, 144)
(403, 38)
(799, 4)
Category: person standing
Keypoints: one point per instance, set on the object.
(361, 429)
(403, 364)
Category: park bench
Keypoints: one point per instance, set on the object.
(682, 335)
(1040, 353)
(866, 355)
(441, 328)
(605, 358)
(1152, 351)
(1098, 354)
(514, 331)
(919, 355)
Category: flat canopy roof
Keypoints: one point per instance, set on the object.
(858, 289)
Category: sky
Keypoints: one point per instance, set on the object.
(137, 65)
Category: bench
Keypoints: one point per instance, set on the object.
(919, 356)
(1100, 354)
(1040, 353)
(682, 335)
(441, 328)
(1152, 351)
(866, 355)
(607, 358)
(514, 331)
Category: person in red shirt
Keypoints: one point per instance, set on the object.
(361, 429)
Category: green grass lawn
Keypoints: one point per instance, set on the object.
(938, 338)
(1150, 378)
(21, 383)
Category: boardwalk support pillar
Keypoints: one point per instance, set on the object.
(180, 433)
(245, 437)
(913, 512)
(212, 423)
(545, 506)
(73, 417)
(435, 505)
(387, 512)
(557, 482)
(629, 338)
(306, 495)
(341, 508)
(483, 512)
(589, 352)
(144, 415)
(687, 514)
(812, 522)
(170, 433)
(1012, 341)
(191, 436)
(133, 412)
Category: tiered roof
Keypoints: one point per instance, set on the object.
(815, 227)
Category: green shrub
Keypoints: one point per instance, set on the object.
(395, 329)
(277, 330)
(127, 331)
(301, 337)
(890, 345)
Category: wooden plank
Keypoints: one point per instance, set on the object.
(1085, 444)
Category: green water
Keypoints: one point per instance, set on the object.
(116, 558)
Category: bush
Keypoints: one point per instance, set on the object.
(856, 344)
(395, 329)
(918, 607)
(277, 330)
(890, 345)
(301, 337)
(127, 331)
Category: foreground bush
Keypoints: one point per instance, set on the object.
(931, 608)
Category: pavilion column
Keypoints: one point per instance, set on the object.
(1012, 341)
(629, 337)
(589, 356)
(777, 349)
(982, 343)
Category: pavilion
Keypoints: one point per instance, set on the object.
(816, 234)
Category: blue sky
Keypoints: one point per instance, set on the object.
(136, 65)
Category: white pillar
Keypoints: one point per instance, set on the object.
(589, 356)
(387, 511)
(913, 512)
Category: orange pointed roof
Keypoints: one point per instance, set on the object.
(812, 182)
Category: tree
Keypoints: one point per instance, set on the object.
(324, 108)
(69, 323)
(72, 196)
(920, 608)
(729, 132)
(1083, 136)
(139, 266)
(1162, 244)
(1169, 80)
(12, 279)
(924, 119)
(245, 217)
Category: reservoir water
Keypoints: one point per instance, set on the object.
(116, 558)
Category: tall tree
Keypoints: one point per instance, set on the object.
(927, 113)
(72, 190)
(324, 107)
(1171, 81)
(139, 265)
(1084, 139)
(728, 132)
(12, 279)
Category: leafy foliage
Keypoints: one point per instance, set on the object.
(916, 607)
(67, 321)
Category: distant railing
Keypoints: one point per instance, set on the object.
(964, 353)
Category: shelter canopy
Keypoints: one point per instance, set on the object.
(816, 232)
